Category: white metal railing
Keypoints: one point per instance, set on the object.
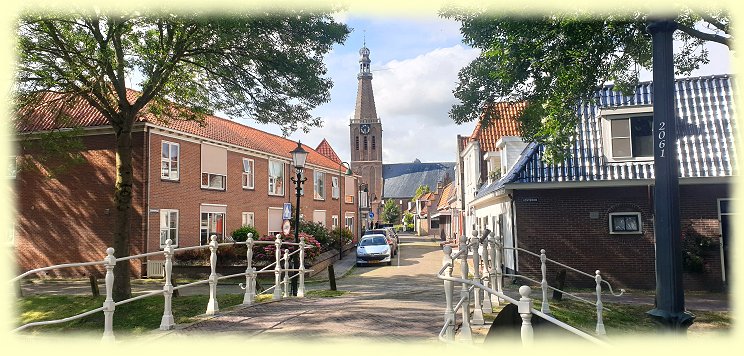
(167, 321)
(480, 252)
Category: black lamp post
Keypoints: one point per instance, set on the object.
(299, 155)
(340, 211)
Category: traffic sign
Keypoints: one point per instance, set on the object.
(286, 227)
(371, 215)
(287, 211)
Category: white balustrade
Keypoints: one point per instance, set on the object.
(250, 273)
(108, 304)
(277, 268)
(600, 330)
(167, 322)
(212, 306)
(544, 283)
(524, 307)
(449, 313)
(286, 273)
(465, 331)
(477, 308)
(487, 306)
(301, 288)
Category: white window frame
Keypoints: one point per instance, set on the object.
(348, 225)
(335, 188)
(169, 160)
(626, 213)
(246, 217)
(334, 221)
(202, 227)
(167, 229)
(248, 180)
(272, 233)
(272, 181)
(318, 185)
(209, 185)
(624, 113)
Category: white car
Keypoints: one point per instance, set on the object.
(373, 249)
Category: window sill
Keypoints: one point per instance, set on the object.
(170, 180)
(611, 160)
(626, 233)
(316, 199)
(214, 189)
(276, 195)
(249, 188)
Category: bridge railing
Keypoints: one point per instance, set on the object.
(475, 285)
(280, 287)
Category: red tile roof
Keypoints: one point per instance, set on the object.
(503, 122)
(325, 149)
(80, 113)
(447, 191)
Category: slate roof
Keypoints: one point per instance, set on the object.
(81, 114)
(400, 180)
(503, 122)
(705, 144)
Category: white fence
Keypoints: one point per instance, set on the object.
(487, 290)
(280, 287)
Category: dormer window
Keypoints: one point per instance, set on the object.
(632, 137)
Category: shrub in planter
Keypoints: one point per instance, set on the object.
(241, 234)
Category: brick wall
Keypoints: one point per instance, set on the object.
(69, 218)
(572, 225)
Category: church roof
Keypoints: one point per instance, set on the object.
(325, 149)
(400, 180)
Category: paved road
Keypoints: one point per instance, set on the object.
(404, 301)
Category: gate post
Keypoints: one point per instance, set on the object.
(108, 304)
(250, 273)
(212, 306)
(525, 311)
(600, 330)
(167, 322)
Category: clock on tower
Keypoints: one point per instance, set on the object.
(364, 129)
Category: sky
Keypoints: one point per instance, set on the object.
(415, 61)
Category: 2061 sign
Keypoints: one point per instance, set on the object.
(662, 136)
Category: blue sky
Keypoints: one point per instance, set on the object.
(415, 61)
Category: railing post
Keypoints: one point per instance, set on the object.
(212, 306)
(277, 268)
(544, 283)
(494, 270)
(108, 304)
(498, 262)
(301, 287)
(477, 307)
(449, 313)
(600, 330)
(525, 311)
(286, 273)
(486, 275)
(250, 272)
(167, 322)
(465, 332)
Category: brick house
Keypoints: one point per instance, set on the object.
(190, 181)
(594, 210)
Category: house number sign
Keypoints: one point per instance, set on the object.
(662, 137)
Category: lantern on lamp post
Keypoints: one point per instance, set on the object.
(299, 155)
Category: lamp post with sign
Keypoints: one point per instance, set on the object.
(299, 155)
(340, 211)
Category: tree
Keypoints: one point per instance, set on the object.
(556, 60)
(266, 67)
(390, 212)
(421, 190)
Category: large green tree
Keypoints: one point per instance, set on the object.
(391, 212)
(553, 61)
(262, 66)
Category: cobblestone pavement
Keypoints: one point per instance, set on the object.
(404, 301)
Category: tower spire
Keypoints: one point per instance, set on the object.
(365, 103)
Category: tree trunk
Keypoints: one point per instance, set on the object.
(123, 208)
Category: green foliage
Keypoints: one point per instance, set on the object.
(555, 60)
(241, 234)
(319, 232)
(346, 234)
(694, 246)
(408, 218)
(55, 152)
(421, 190)
(409, 227)
(390, 212)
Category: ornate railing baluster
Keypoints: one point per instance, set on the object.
(487, 306)
(524, 308)
(250, 273)
(212, 305)
(465, 331)
(277, 268)
(108, 304)
(477, 292)
(449, 313)
(167, 322)
(301, 287)
(600, 330)
(544, 283)
(286, 273)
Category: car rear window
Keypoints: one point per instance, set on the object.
(373, 241)
(375, 232)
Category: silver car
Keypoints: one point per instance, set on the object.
(373, 249)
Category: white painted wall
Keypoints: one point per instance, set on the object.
(472, 162)
(490, 210)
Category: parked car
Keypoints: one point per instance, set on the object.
(392, 232)
(373, 249)
(392, 239)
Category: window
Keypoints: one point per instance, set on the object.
(350, 222)
(276, 178)
(625, 223)
(334, 188)
(349, 190)
(373, 142)
(247, 173)
(247, 220)
(365, 142)
(212, 224)
(274, 221)
(319, 217)
(169, 161)
(319, 185)
(213, 181)
(632, 137)
(357, 143)
(334, 221)
(168, 226)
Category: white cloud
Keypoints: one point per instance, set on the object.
(421, 87)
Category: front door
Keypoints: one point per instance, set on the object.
(725, 216)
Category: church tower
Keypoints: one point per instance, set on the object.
(366, 135)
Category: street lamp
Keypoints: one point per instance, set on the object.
(299, 155)
(340, 211)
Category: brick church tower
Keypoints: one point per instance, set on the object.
(365, 131)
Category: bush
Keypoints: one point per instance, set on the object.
(317, 231)
(694, 246)
(266, 252)
(192, 256)
(409, 227)
(241, 233)
(345, 234)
